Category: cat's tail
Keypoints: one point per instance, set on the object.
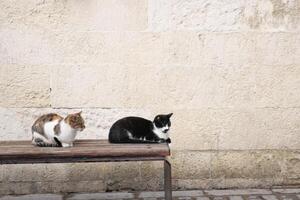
(41, 143)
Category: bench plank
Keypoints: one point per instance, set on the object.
(13, 152)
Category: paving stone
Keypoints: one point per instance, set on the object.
(219, 198)
(288, 197)
(113, 195)
(188, 193)
(269, 197)
(235, 198)
(202, 198)
(34, 197)
(254, 197)
(151, 194)
(237, 192)
(287, 190)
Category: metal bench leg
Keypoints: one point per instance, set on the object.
(168, 180)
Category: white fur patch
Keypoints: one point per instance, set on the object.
(67, 145)
(165, 128)
(49, 129)
(67, 133)
(129, 135)
(160, 132)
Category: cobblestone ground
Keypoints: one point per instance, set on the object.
(238, 194)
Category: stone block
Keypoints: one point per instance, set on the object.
(187, 48)
(34, 197)
(15, 188)
(106, 86)
(104, 15)
(246, 165)
(67, 186)
(191, 165)
(24, 86)
(27, 47)
(261, 128)
(270, 15)
(35, 172)
(122, 176)
(270, 164)
(152, 176)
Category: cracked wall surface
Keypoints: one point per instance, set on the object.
(228, 70)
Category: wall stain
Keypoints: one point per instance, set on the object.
(274, 13)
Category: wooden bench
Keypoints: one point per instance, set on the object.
(23, 152)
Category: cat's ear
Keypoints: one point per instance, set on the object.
(79, 113)
(169, 115)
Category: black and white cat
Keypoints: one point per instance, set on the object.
(140, 130)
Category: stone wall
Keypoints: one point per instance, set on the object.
(228, 70)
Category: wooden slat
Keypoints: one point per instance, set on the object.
(78, 160)
(83, 151)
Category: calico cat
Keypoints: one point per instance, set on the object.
(51, 130)
(140, 130)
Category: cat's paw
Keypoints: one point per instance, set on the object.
(168, 140)
(161, 141)
(65, 145)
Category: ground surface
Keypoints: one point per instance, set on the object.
(238, 194)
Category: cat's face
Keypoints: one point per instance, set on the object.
(163, 122)
(76, 121)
